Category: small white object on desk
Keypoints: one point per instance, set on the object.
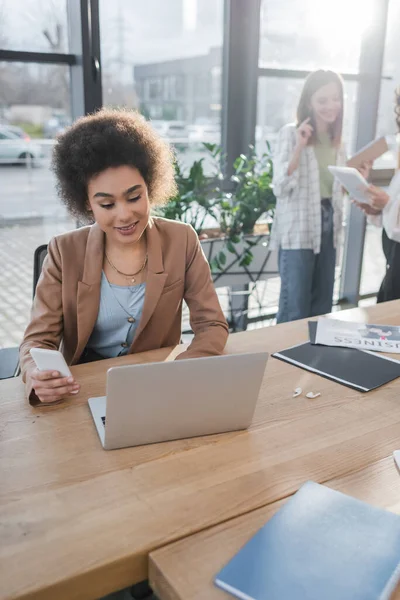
(313, 395)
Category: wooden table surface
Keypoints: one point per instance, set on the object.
(186, 569)
(77, 522)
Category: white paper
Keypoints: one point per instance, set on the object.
(379, 338)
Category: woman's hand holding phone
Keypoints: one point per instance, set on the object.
(52, 380)
(49, 386)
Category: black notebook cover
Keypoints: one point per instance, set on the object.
(358, 369)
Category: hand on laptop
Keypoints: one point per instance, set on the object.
(50, 387)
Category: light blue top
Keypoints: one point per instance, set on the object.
(119, 314)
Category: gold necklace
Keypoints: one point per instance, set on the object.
(129, 276)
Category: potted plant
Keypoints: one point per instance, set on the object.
(231, 217)
(196, 200)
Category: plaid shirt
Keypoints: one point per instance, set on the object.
(297, 221)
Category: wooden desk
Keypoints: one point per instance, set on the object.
(77, 522)
(186, 569)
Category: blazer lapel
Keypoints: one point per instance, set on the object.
(156, 278)
(89, 288)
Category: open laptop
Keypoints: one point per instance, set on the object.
(156, 402)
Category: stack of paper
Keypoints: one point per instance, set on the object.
(380, 338)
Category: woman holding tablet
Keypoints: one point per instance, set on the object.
(117, 286)
(383, 210)
(308, 217)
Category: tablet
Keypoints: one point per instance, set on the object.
(353, 182)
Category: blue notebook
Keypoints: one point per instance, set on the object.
(321, 545)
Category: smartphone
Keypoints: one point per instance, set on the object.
(50, 360)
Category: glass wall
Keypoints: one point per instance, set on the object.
(34, 25)
(391, 72)
(374, 264)
(312, 34)
(304, 36)
(165, 59)
(34, 107)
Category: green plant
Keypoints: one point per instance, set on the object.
(252, 197)
(235, 205)
(196, 198)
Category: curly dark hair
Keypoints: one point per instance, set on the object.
(111, 138)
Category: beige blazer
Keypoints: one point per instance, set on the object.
(67, 296)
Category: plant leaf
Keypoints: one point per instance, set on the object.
(230, 247)
(222, 257)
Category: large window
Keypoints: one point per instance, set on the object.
(312, 34)
(374, 263)
(391, 72)
(164, 59)
(298, 37)
(34, 25)
(34, 106)
(34, 103)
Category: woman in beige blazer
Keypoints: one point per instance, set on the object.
(117, 286)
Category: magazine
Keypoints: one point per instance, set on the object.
(380, 338)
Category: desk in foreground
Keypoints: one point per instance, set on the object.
(77, 522)
(186, 569)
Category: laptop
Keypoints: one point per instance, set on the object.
(157, 402)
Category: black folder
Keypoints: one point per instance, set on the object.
(358, 369)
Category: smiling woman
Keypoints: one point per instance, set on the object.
(117, 286)
(114, 138)
(308, 217)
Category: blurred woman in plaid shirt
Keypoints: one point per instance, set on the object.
(308, 218)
